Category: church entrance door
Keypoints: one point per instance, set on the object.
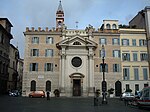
(76, 87)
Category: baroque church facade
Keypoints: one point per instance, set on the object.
(70, 59)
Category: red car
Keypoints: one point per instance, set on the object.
(37, 94)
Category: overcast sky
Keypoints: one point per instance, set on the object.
(35, 13)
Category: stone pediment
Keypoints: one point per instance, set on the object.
(77, 41)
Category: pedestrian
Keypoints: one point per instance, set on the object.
(48, 97)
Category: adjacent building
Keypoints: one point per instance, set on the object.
(5, 37)
(142, 20)
(20, 73)
(70, 60)
(12, 69)
(134, 59)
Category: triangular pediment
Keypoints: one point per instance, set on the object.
(77, 41)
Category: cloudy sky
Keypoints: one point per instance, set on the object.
(35, 13)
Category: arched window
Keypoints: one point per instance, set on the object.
(33, 85)
(107, 26)
(48, 85)
(76, 43)
(114, 26)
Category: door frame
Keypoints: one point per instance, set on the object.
(76, 87)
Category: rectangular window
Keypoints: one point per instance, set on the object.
(143, 57)
(49, 40)
(126, 74)
(145, 75)
(35, 40)
(102, 41)
(49, 67)
(126, 57)
(115, 41)
(133, 42)
(102, 53)
(116, 53)
(145, 85)
(136, 74)
(116, 68)
(33, 66)
(49, 52)
(135, 57)
(106, 68)
(34, 52)
(127, 87)
(125, 42)
(136, 87)
(142, 42)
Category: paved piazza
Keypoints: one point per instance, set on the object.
(25, 104)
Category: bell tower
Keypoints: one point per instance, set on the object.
(59, 16)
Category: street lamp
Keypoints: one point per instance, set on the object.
(104, 83)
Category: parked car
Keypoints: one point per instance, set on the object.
(37, 94)
(14, 93)
(127, 96)
(144, 100)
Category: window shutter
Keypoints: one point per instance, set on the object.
(31, 52)
(30, 67)
(32, 39)
(36, 67)
(113, 67)
(45, 66)
(99, 41)
(118, 68)
(52, 67)
(128, 75)
(52, 52)
(128, 42)
(113, 41)
(52, 40)
(118, 41)
(37, 52)
(122, 41)
(46, 52)
(119, 53)
(113, 53)
(37, 39)
(106, 68)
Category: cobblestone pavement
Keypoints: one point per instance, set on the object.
(25, 104)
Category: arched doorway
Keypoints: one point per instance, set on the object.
(77, 80)
(118, 88)
(48, 85)
(33, 85)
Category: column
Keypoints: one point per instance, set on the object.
(91, 72)
(62, 83)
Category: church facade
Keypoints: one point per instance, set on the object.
(69, 60)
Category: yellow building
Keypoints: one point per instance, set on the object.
(134, 59)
